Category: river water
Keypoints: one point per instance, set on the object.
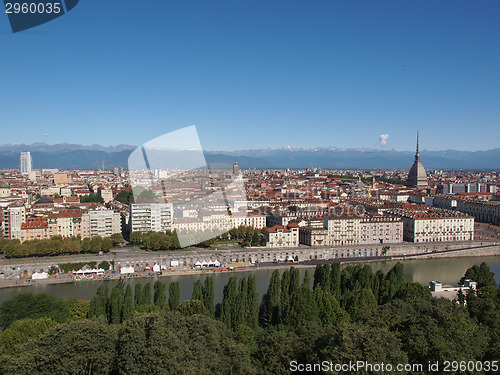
(445, 270)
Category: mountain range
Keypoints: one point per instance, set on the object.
(73, 156)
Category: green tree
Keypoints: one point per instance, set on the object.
(91, 198)
(22, 331)
(138, 294)
(255, 239)
(146, 295)
(208, 294)
(241, 308)
(335, 273)
(78, 308)
(136, 238)
(228, 307)
(125, 197)
(104, 265)
(116, 304)
(116, 238)
(352, 341)
(106, 244)
(192, 307)
(413, 290)
(322, 276)
(176, 344)
(99, 304)
(79, 347)
(29, 305)
(128, 303)
(96, 244)
(160, 294)
(174, 295)
(252, 302)
(480, 274)
(197, 291)
(329, 310)
(270, 309)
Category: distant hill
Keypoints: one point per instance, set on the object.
(71, 156)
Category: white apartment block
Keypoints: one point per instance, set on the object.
(281, 236)
(251, 219)
(435, 225)
(380, 229)
(13, 218)
(146, 217)
(102, 223)
(314, 236)
(26, 162)
(106, 194)
(483, 211)
(343, 230)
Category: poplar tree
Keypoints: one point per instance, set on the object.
(322, 277)
(128, 303)
(273, 298)
(116, 304)
(241, 305)
(228, 305)
(197, 291)
(146, 294)
(208, 294)
(99, 304)
(174, 295)
(335, 280)
(160, 294)
(137, 294)
(252, 302)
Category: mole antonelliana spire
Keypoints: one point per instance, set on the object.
(417, 175)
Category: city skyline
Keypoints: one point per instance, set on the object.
(353, 75)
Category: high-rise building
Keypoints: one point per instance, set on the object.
(26, 162)
(14, 217)
(417, 176)
(118, 170)
(102, 223)
(151, 216)
(236, 169)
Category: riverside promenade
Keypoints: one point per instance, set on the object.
(238, 259)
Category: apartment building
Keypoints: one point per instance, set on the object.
(67, 224)
(434, 225)
(380, 229)
(252, 219)
(483, 211)
(146, 217)
(35, 229)
(314, 236)
(102, 223)
(283, 236)
(343, 230)
(13, 217)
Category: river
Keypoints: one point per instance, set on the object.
(446, 270)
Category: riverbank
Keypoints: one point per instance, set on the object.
(483, 251)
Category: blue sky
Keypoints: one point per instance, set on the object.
(257, 74)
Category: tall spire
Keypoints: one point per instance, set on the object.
(417, 154)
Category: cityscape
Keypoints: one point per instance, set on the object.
(299, 214)
(250, 187)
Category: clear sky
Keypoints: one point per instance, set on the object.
(257, 74)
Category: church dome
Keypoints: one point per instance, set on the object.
(417, 175)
